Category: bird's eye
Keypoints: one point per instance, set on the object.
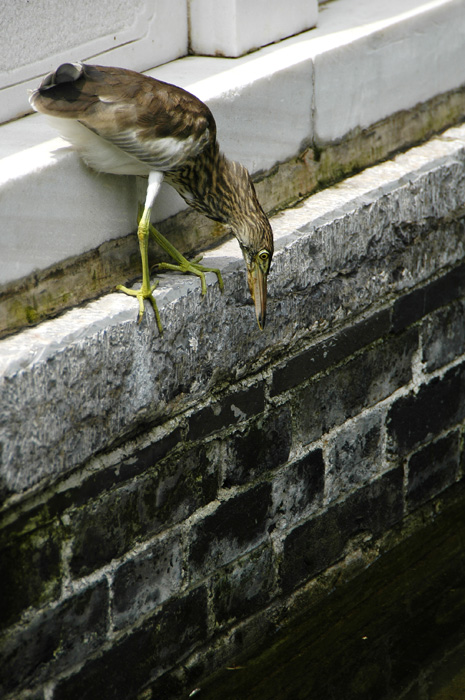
(264, 255)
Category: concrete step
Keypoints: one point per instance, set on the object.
(65, 228)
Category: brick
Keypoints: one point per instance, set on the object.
(56, 639)
(237, 526)
(372, 634)
(360, 383)
(298, 490)
(413, 306)
(132, 661)
(230, 410)
(105, 529)
(323, 355)
(445, 289)
(262, 447)
(31, 572)
(374, 508)
(443, 335)
(311, 548)
(432, 469)
(149, 456)
(244, 587)
(418, 418)
(105, 479)
(408, 309)
(146, 581)
(355, 455)
(318, 543)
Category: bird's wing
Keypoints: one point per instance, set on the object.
(157, 123)
(160, 153)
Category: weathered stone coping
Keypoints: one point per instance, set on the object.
(300, 114)
(82, 382)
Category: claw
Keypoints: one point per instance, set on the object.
(140, 295)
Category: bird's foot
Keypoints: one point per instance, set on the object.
(194, 268)
(182, 264)
(140, 295)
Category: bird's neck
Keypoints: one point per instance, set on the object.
(218, 187)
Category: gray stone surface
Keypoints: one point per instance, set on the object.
(74, 386)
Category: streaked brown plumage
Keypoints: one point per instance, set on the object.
(126, 123)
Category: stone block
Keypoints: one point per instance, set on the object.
(354, 455)
(420, 417)
(137, 36)
(363, 381)
(432, 469)
(235, 27)
(142, 654)
(234, 528)
(75, 385)
(144, 582)
(244, 587)
(107, 527)
(259, 448)
(298, 489)
(57, 638)
(443, 336)
(321, 541)
(228, 411)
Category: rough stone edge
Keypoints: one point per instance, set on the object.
(77, 362)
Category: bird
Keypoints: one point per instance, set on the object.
(124, 122)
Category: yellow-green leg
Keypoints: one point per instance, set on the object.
(182, 264)
(146, 290)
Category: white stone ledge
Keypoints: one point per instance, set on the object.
(363, 62)
(72, 386)
(234, 27)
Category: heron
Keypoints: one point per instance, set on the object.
(127, 123)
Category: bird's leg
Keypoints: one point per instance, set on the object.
(182, 264)
(146, 290)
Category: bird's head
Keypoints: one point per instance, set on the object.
(257, 248)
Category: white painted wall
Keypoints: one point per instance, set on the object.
(235, 27)
(36, 36)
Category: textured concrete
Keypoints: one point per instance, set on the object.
(234, 27)
(72, 385)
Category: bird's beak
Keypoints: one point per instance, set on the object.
(256, 279)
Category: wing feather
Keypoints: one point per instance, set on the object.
(157, 123)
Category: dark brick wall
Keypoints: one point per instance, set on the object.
(178, 542)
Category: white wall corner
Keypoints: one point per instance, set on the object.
(235, 27)
(35, 37)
